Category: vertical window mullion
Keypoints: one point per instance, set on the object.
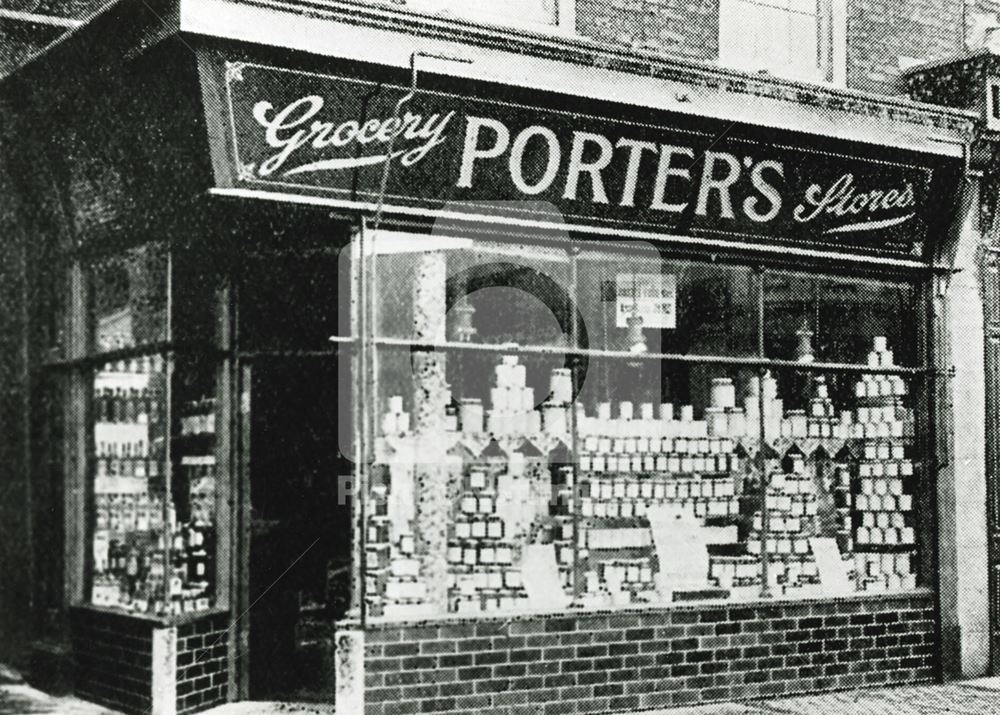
(765, 525)
(574, 427)
(77, 446)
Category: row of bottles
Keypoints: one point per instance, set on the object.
(127, 404)
(136, 525)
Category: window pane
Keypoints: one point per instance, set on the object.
(836, 320)
(197, 276)
(471, 493)
(683, 307)
(804, 7)
(195, 485)
(129, 568)
(803, 58)
(49, 306)
(850, 450)
(471, 490)
(129, 298)
(483, 292)
(779, 36)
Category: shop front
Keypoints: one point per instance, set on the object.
(425, 393)
(645, 414)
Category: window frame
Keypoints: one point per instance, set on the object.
(830, 45)
(922, 442)
(78, 361)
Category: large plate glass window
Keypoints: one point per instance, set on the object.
(589, 426)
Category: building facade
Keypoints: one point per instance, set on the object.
(545, 356)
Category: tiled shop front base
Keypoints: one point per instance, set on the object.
(113, 656)
(140, 665)
(202, 665)
(608, 661)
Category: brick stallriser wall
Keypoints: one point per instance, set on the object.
(202, 665)
(601, 662)
(113, 657)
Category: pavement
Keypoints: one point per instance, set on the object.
(969, 697)
(21, 699)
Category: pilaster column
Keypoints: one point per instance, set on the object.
(430, 398)
(961, 448)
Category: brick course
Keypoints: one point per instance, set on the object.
(689, 28)
(202, 665)
(879, 32)
(605, 661)
(113, 655)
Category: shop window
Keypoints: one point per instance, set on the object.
(139, 446)
(811, 318)
(798, 39)
(155, 486)
(131, 510)
(614, 428)
(129, 299)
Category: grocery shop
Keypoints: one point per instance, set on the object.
(366, 372)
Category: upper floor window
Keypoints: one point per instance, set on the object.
(555, 14)
(798, 39)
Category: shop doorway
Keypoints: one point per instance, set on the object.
(297, 534)
(300, 539)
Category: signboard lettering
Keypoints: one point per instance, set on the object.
(334, 135)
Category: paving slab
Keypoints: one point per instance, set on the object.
(982, 683)
(715, 709)
(271, 708)
(25, 700)
(952, 698)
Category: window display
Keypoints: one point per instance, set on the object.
(665, 479)
(130, 507)
(154, 527)
(153, 450)
(193, 492)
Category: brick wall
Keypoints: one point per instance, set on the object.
(113, 657)
(600, 662)
(689, 28)
(879, 32)
(202, 666)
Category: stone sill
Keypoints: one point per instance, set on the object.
(700, 606)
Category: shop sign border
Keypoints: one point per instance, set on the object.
(582, 229)
(234, 73)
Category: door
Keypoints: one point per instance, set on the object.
(296, 506)
(300, 537)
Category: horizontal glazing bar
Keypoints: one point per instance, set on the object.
(401, 343)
